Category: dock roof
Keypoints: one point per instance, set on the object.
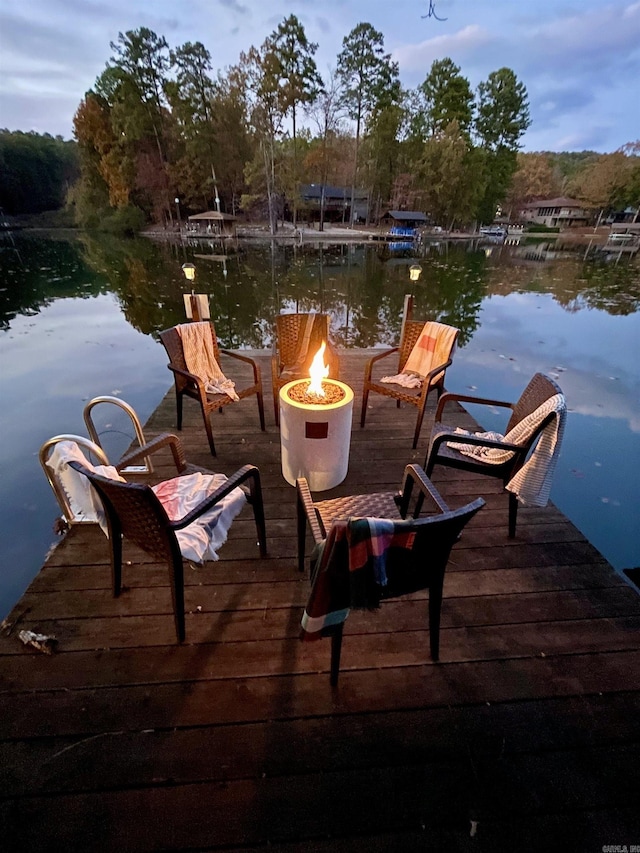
(215, 215)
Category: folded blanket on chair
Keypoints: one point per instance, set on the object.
(197, 344)
(432, 349)
(202, 538)
(532, 483)
(83, 499)
(407, 380)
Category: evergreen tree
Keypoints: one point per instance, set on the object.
(368, 80)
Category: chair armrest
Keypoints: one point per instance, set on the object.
(247, 472)
(428, 377)
(164, 440)
(415, 474)
(247, 360)
(450, 396)
(457, 438)
(191, 377)
(372, 361)
(305, 501)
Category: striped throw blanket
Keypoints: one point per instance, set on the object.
(432, 349)
(532, 483)
(351, 571)
(201, 539)
(197, 345)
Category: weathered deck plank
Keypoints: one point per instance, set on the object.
(528, 726)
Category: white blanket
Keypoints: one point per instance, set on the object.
(83, 499)
(198, 542)
(201, 539)
(407, 380)
(532, 483)
(197, 345)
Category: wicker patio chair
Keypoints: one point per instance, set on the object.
(134, 511)
(411, 330)
(286, 364)
(134, 462)
(186, 384)
(539, 390)
(416, 554)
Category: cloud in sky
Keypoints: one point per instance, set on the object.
(579, 59)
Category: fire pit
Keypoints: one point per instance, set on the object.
(315, 428)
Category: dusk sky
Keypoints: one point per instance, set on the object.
(579, 59)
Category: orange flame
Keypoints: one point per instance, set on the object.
(318, 371)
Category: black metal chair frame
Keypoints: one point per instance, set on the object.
(539, 389)
(134, 512)
(435, 536)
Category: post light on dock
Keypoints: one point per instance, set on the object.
(415, 271)
(177, 201)
(196, 305)
(189, 271)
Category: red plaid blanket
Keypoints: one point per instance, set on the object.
(351, 570)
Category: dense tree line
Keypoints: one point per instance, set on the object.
(36, 171)
(159, 125)
(604, 182)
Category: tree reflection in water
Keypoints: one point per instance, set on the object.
(498, 296)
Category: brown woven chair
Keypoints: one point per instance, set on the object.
(410, 333)
(133, 510)
(537, 392)
(187, 384)
(421, 565)
(135, 462)
(286, 348)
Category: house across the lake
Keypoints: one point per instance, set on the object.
(336, 202)
(556, 212)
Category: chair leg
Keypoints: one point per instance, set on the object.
(115, 547)
(416, 434)
(176, 578)
(276, 404)
(435, 606)
(363, 410)
(336, 650)
(209, 430)
(513, 514)
(179, 409)
(116, 561)
(302, 533)
(258, 513)
(261, 410)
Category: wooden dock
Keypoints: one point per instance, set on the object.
(525, 737)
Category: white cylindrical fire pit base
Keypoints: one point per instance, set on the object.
(315, 438)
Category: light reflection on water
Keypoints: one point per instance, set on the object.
(78, 319)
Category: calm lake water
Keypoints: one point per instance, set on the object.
(79, 317)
